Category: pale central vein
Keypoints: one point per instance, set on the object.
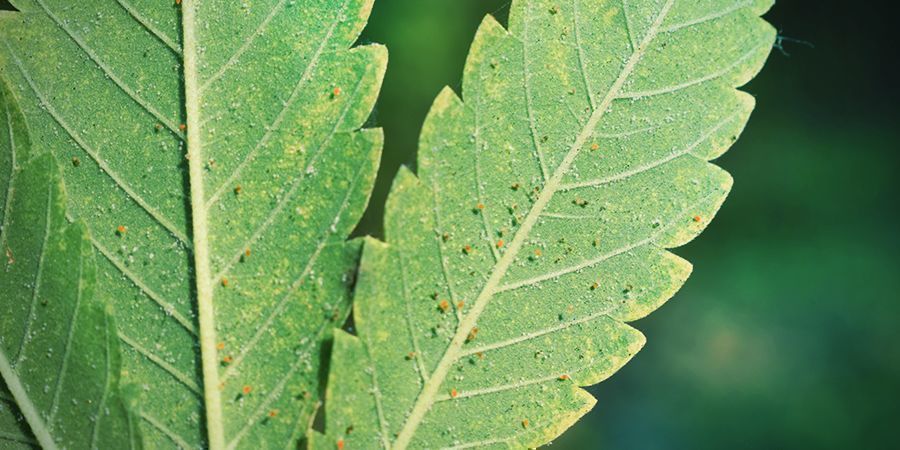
(428, 394)
(199, 212)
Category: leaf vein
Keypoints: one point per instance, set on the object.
(166, 306)
(283, 303)
(161, 363)
(651, 165)
(162, 220)
(304, 78)
(139, 18)
(640, 95)
(169, 123)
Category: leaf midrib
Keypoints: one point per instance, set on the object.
(428, 393)
(199, 220)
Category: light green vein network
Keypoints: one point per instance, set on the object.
(213, 148)
(59, 355)
(538, 222)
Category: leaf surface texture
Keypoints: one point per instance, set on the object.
(59, 354)
(214, 150)
(539, 221)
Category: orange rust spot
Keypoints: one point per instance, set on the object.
(220, 346)
(460, 304)
(246, 390)
(444, 305)
(453, 393)
(500, 243)
(467, 249)
(697, 218)
(224, 282)
(273, 413)
(480, 206)
(473, 333)
(227, 360)
(238, 189)
(121, 229)
(480, 355)
(564, 377)
(410, 356)
(525, 423)
(595, 146)
(182, 127)
(340, 444)
(538, 252)
(336, 92)
(247, 253)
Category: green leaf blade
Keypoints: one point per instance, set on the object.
(541, 215)
(59, 354)
(267, 121)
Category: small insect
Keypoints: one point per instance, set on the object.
(247, 253)
(75, 161)
(444, 305)
(237, 189)
(697, 219)
(121, 230)
(9, 257)
(224, 282)
(445, 236)
(246, 389)
(410, 356)
(515, 186)
(580, 202)
(158, 127)
(595, 286)
(453, 393)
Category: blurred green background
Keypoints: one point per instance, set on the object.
(786, 335)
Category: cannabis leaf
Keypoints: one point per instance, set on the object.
(213, 149)
(59, 355)
(539, 220)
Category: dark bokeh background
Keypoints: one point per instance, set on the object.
(787, 334)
